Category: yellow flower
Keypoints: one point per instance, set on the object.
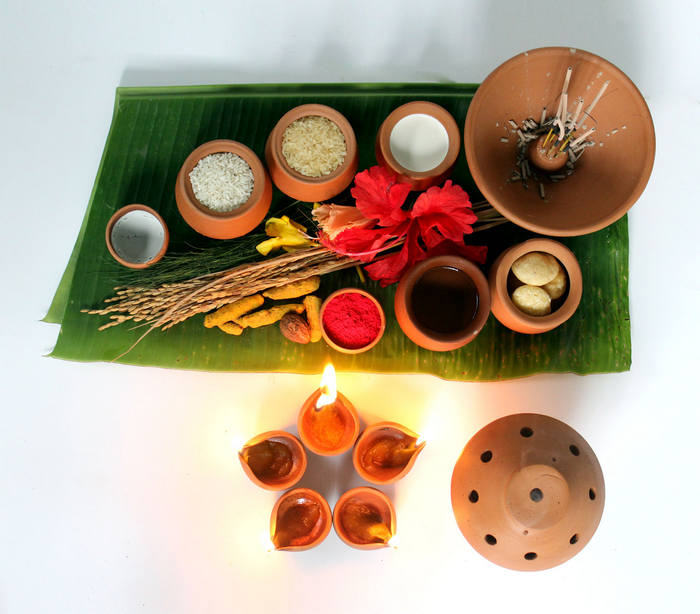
(285, 233)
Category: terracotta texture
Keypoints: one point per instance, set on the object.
(340, 348)
(113, 220)
(293, 183)
(374, 502)
(339, 421)
(223, 225)
(425, 179)
(288, 479)
(372, 456)
(292, 528)
(501, 304)
(528, 492)
(607, 181)
(427, 338)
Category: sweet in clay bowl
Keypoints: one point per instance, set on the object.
(607, 180)
(300, 520)
(364, 518)
(275, 460)
(527, 492)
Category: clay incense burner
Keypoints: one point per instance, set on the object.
(275, 460)
(300, 520)
(331, 429)
(364, 518)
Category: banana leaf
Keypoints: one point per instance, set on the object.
(154, 129)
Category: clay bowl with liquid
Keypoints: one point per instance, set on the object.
(364, 518)
(300, 520)
(330, 430)
(297, 185)
(137, 236)
(385, 452)
(527, 492)
(229, 224)
(275, 460)
(419, 141)
(442, 303)
(607, 180)
(502, 283)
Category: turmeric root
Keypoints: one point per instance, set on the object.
(231, 328)
(313, 315)
(233, 310)
(267, 316)
(294, 289)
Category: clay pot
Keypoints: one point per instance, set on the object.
(223, 225)
(364, 518)
(330, 430)
(275, 460)
(527, 492)
(293, 183)
(300, 520)
(501, 304)
(408, 319)
(377, 460)
(329, 338)
(607, 180)
(142, 242)
(418, 179)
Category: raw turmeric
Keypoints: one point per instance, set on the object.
(295, 288)
(267, 316)
(231, 328)
(230, 312)
(312, 304)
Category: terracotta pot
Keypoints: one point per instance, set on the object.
(419, 180)
(527, 492)
(329, 338)
(223, 225)
(300, 520)
(330, 430)
(152, 238)
(259, 468)
(293, 183)
(358, 508)
(374, 463)
(429, 338)
(501, 304)
(607, 180)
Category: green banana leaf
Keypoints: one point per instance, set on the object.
(154, 129)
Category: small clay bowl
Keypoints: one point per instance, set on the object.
(334, 342)
(378, 474)
(289, 521)
(407, 314)
(501, 304)
(293, 183)
(396, 142)
(229, 224)
(257, 473)
(137, 236)
(379, 505)
(527, 492)
(311, 423)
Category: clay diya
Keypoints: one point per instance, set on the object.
(501, 284)
(328, 423)
(303, 187)
(527, 492)
(230, 224)
(608, 178)
(352, 321)
(419, 141)
(386, 452)
(364, 518)
(275, 460)
(137, 236)
(300, 520)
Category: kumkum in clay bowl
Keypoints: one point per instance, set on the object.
(311, 153)
(275, 460)
(300, 520)
(222, 190)
(535, 286)
(364, 518)
(419, 141)
(136, 236)
(352, 320)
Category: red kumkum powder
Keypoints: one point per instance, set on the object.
(351, 320)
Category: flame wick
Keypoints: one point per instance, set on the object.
(393, 542)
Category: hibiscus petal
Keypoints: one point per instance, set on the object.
(363, 243)
(333, 219)
(447, 199)
(380, 197)
(389, 269)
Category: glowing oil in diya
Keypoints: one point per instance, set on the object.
(274, 460)
(300, 520)
(364, 518)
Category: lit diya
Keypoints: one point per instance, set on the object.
(274, 460)
(301, 519)
(328, 423)
(364, 518)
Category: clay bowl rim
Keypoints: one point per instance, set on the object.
(309, 493)
(420, 107)
(309, 405)
(492, 194)
(293, 477)
(369, 431)
(571, 266)
(363, 492)
(438, 341)
(382, 321)
(121, 212)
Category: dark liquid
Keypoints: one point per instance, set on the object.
(444, 300)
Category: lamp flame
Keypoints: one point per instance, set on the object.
(237, 443)
(393, 542)
(266, 542)
(420, 441)
(328, 388)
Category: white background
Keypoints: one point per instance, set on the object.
(119, 490)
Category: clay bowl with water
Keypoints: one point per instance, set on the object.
(301, 519)
(364, 518)
(137, 236)
(275, 460)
